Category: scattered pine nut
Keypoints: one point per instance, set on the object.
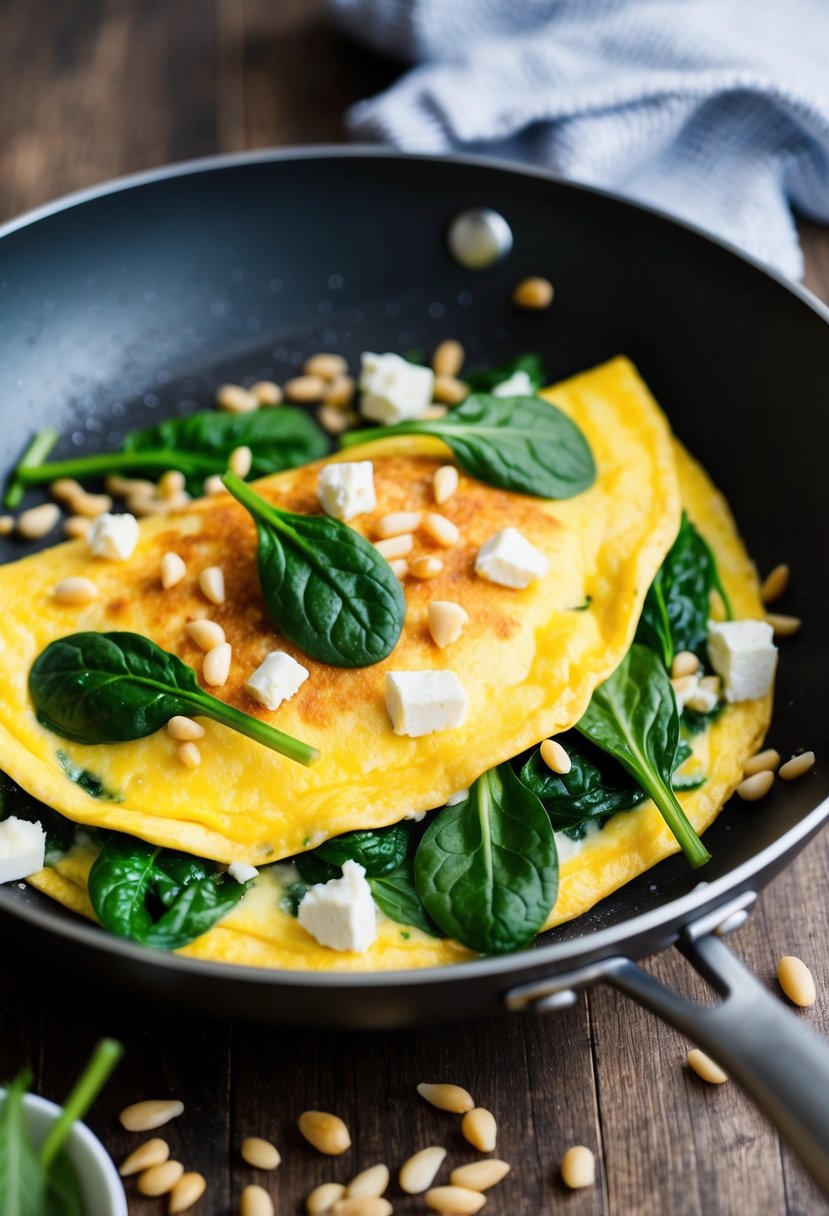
(206, 634)
(775, 584)
(448, 390)
(796, 980)
(333, 420)
(446, 621)
(783, 626)
(797, 766)
(440, 529)
(305, 389)
(213, 485)
(212, 583)
(75, 590)
(189, 754)
(372, 1205)
(395, 546)
(685, 663)
(534, 293)
(760, 761)
(216, 665)
(325, 366)
(369, 1183)
(399, 567)
(433, 412)
(396, 523)
(480, 1175)
(171, 484)
(120, 487)
(340, 393)
(154, 1112)
(444, 483)
(255, 1201)
(480, 1129)
(705, 1067)
(184, 730)
(240, 461)
(454, 1200)
(752, 789)
(75, 527)
(37, 522)
(327, 1133)
(447, 1097)
(150, 1153)
(6, 525)
(259, 1153)
(448, 358)
(419, 1172)
(173, 570)
(578, 1167)
(323, 1198)
(426, 567)
(187, 1191)
(64, 489)
(266, 392)
(159, 1179)
(235, 399)
(555, 757)
(90, 505)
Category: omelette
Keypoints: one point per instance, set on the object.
(530, 661)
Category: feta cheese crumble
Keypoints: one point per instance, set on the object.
(276, 679)
(240, 871)
(518, 384)
(509, 559)
(22, 848)
(347, 489)
(393, 389)
(421, 702)
(113, 536)
(743, 654)
(341, 914)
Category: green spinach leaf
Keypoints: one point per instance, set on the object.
(377, 850)
(486, 380)
(395, 894)
(63, 1191)
(591, 791)
(22, 1181)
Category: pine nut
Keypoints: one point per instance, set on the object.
(255, 1201)
(480, 1175)
(796, 980)
(326, 366)
(396, 523)
(65, 489)
(187, 1191)
(90, 505)
(705, 1067)
(555, 757)
(189, 755)
(206, 634)
(753, 788)
(457, 1200)
(758, 763)
(146, 504)
(395, 546)
(419, 1172)
(159, 1179)
(259, 1153)
(372, 1205)
(446, 621)
(433, 412)
(184, 730)
(368, 1183)
(426, 567)
(444, 483)
(775, 584)
(480, 1129)
(797, 766)
(171, 484)
(216, 665)
(120, 487)
(150, 1153)
(447, 1097)
(578, 1167)
(173, 570)
(783, 626)
(399, 567)
(440, 529)
(323, 1198)
(533, 293)
(711, 684)
(240, 461)
(75, 591)
(448, 358)
(266, 392)
(38, 521)
(685, 663)
(213, 485)
(327, 1133)
(305, 389)
(75, 527)
(7, 525)
(154, 1112)
(212, 583)
(448, 390)
(334, 421)
(340, 393)
(235, 399)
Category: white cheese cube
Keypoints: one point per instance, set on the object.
(347, 489)
(518, 384)
(421, 702)
(276, 679)
(240, 871)
(341, 914)
(392, 389)
(22, 848)
(458, 797)
(704, 700)
(743, 654)
(509, 559)
(113, 537)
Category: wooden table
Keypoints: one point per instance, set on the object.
(103, 87)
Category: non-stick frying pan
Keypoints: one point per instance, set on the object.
(133, 301)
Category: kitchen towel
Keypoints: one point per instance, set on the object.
(714, 110)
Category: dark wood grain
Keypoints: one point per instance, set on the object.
(96, 88)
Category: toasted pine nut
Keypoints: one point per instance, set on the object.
(399, 567)
(480, 1175)
(448, 358)
(325, 366)
(65, 489)
(240, 460)
(184, 730)
(334, 421)
(340, 393)
(457, 1200)
(441, 529)
(447, 1097)
(213, 485)
(555, 757)
(685, 663)
(75, 590)
(259, 1153)
(212, 583)
(154, 1112)
(797, 766)
(327, 1133)
(368, 1183)
(480, 1129)
(705, 1067)
(305, 388)
(796, 980)
(372, 1205)
(396, 523)
(775, 584)
(159, 1179)
(426, 567)
(255, 1201)
(266, 392)
(6, 525)
(533, 293)
(323, 1198)
(433, 412)
(189, 754)
(752, 789)
(395, 546)
(758, 763)
(187, 1191)
(120, 487)
(206, 634)
(90, 505)
(150, 1153)
(147, 504)
(448, 390)
(173, 570)
(711, 684)
(75, 526)
(783, 626)
(38, 521)
(216, 665)
(235, 399)
(419, 1172)
(171, 484)
(446, 621)
(578, 1167)
(444, 483)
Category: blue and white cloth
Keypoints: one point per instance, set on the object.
(714, 110)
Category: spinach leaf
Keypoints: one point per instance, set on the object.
(486, 380)
(378, 851)
(516, 443)
(313, 869)
(22, 1181)
(591, 791)
(395, 894)
(60, 832)
(63, 1191)
(633, 716)
(161, 899)
(325, 587)
(486, 869)
(111, 687)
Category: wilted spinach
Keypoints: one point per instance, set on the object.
(594, 789)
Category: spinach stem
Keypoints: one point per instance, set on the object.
(190, 463)
(38, 450)
(259, 731)
(83, 1094)
(351, 438)
(669, 808)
